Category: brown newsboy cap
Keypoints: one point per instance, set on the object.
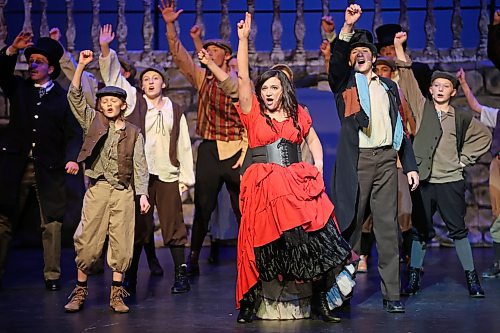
(223, 44)
(445, 75)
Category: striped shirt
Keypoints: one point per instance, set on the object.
(217, 117)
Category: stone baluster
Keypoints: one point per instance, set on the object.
(121, 29)
(3, 24)
(300, 32)
(377, 17)
(147, 30)
(457, 50)
(70, 27)
(483, 30)
(96, 26)
(430, 30)
(325, 11)
(27, 25)
(199, 17)
(277, 54)
(403, 15)
(225, 25)
(44, 22)
(252, 52)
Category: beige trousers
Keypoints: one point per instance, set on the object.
(106, 211)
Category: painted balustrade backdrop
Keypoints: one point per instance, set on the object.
(298, 56)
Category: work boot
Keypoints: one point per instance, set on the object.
(76, 299)
(493, 271)
(413, 285)
(116, 299)
(193, 268)
(475, 290)
(181, 284)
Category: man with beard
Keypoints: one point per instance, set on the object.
(371, 136)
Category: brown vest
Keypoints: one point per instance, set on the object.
(138, 118)
(94, 140)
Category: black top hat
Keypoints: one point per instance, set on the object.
(112, 91)
(49, 48)
(386, 33)
(363, 38)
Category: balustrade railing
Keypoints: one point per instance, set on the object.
(298, 56)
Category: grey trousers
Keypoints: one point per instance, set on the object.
(378, 190)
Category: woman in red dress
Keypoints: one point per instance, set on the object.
(288, 229)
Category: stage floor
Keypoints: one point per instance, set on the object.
(442, 306)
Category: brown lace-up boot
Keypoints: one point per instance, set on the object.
(76, 299)
(116, 299)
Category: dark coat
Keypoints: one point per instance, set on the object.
(344, 182)
(45, 126)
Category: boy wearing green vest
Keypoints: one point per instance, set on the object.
(447, 139)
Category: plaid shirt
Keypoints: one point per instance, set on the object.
(217, 117)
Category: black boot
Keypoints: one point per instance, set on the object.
(130, 280)
(319, 303)
(413, 285)
(153, 262)
(181, 284)
(247, 307)
(214, 252)
(475, 290)
(192, 262)
(493, 271)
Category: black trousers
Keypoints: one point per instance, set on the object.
(211, 173)
(448, 199)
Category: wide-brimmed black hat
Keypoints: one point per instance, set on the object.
(223, 44)
(386, 33)
(112, 91)
(363, 38)
(445, 75)
(49, 48)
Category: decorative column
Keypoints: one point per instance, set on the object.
(27, 25)
(377, 17)
(147, 31)
(325, 11)
(300, 31)
(457, 50)
(70, 27)
(3, 24)
(403, 15)
(96, 26)
(225, 25)
(252, 53)
(121, 29)
(199, 17)
(483, 30)
(44, 23)
(277, 54)
(430, 30)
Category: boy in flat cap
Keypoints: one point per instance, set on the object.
(169, 157)
(113, 152)
(447, 140)
(40, 147)
(222, 151)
